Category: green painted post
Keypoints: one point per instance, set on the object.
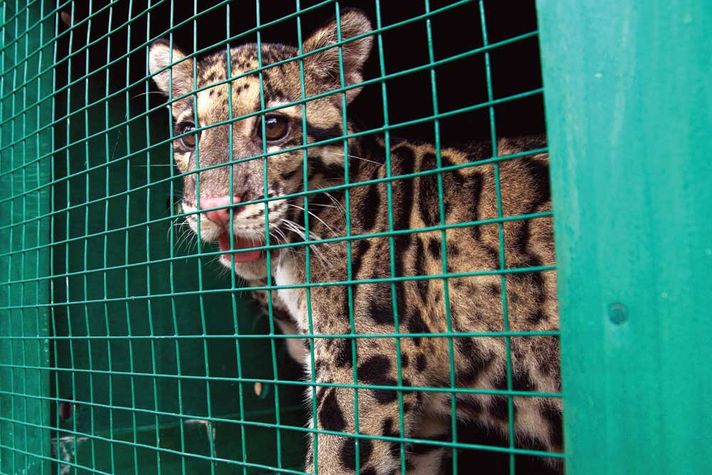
(628, 88)
(25, 80)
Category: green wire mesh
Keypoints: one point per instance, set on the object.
(123, 347)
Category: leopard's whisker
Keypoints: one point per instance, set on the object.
(315, 217)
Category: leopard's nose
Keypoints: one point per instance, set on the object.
(219, 208)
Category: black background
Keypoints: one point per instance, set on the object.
(514, 67)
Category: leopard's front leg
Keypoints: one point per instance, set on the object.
(359, 406)
(358, 415)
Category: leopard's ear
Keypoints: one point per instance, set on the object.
(172, 73)
(325, 64)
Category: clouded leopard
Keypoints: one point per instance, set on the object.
(376, 176)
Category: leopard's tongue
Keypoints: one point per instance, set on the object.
(224, 244)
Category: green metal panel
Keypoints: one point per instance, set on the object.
(628, 94)
(25, 109)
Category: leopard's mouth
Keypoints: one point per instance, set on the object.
(234, 251)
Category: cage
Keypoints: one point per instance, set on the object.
(126, 347)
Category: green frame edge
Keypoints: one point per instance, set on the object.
(628, 96)
(25, 412)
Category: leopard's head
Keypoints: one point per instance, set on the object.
(231, 123)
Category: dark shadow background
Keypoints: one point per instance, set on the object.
(514, 67)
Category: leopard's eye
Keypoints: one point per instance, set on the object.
(188, 141)
(276, 127)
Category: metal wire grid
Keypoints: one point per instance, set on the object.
(29, 220)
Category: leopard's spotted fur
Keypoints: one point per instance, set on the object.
(470, 194)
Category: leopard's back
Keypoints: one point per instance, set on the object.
(422, 294)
